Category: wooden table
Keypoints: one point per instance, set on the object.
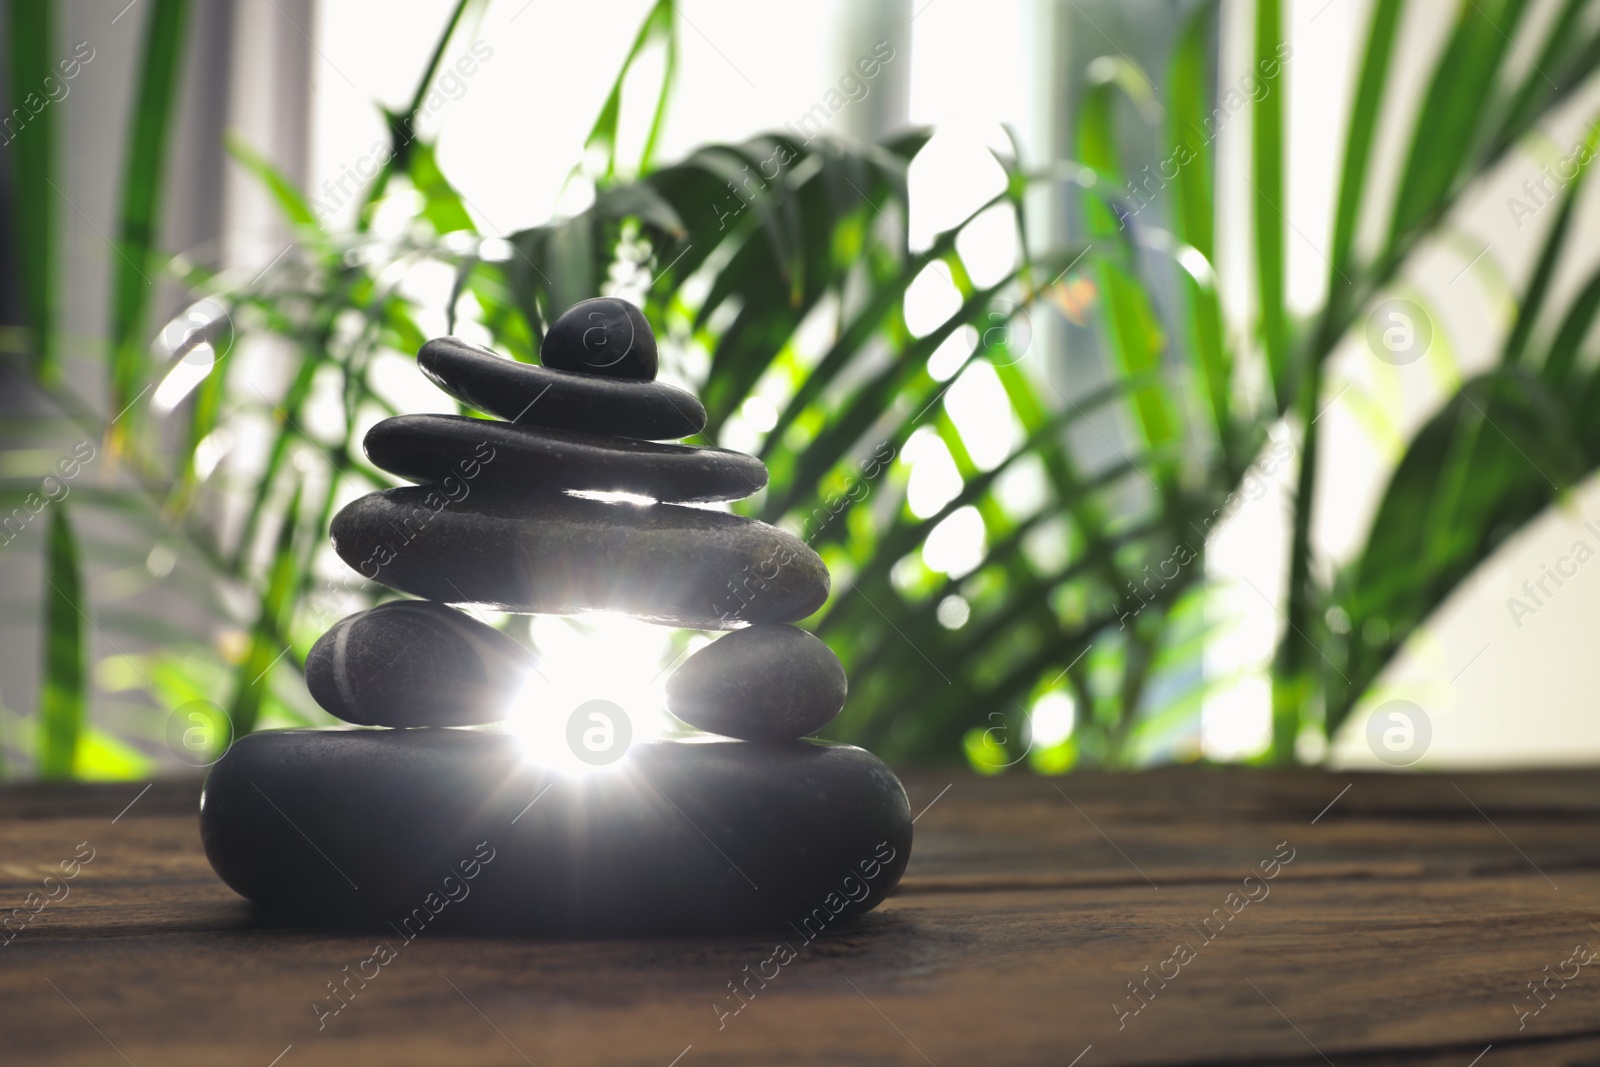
(1402, 922)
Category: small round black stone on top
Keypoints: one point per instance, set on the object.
(604, 336)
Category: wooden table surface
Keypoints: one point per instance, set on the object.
(1403, 921)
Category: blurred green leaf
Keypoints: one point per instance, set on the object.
(1267, 204)
(1194, 221)
(32, 149)
(658, 28)
(1448, 127)
(1499, 452)
(1365, 111)
(1134, 335)
(63, 690)
(140, 204)
(290, 200)
(1544, 270)
(105, 758)
(267, 646)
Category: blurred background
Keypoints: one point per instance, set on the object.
(1162, 381)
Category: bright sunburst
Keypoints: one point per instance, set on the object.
(601, 656)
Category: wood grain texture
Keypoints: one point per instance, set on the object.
(1403, 931)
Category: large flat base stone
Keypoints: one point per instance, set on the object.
(428, 828)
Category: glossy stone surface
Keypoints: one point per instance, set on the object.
(604, 336)
(564, 555)
(369, 826)
(415, 663)
(512, 458)
(767, 682)
(541, 396)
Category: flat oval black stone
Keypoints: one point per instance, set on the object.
(764, 683)
(541, 396)
(604, 336)
(415, 663)
(505, 456)
(439, 829)
(564, 555)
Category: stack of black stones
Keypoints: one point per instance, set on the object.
(745, 827)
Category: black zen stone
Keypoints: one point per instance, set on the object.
(564, 555)
(429, 829)
(508, 457)
(764, 683)
(561, 400)
(415, 663)
(603, 336)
